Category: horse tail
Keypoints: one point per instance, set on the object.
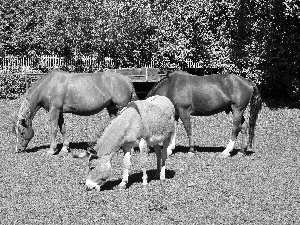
(134, 96)
(255, 107)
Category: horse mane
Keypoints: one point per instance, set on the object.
(25, 109)
(36, 83)
(157, 85)
(162, 80)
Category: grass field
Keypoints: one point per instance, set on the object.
(263, 188)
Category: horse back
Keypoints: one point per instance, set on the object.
(82, 93)
(206, 95)
(120, 87)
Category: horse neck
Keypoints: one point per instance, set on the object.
(112, 138)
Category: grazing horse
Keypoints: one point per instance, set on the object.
(142, 123)
(208, 95)
(61, 92)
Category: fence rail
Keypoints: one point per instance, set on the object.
(14, 64)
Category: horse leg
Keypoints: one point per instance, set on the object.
(157, 149)
(186, 120)
(236, 128)
(112, 111)
(143, 159)
(127, 163)
(244, 136)
(166, 144)
(54, 115)
(62, 127)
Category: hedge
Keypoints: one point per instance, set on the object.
(13, 86)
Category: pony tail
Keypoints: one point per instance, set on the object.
(255, 107)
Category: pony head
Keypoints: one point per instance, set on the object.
(24, 133)
(99, 169)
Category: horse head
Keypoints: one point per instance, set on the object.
(99, 170)
(23, 131)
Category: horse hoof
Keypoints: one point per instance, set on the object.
(121, 187)
(191, 154)
(224, 155)
(51, 151)
(162, 179)
(65, 149)
(242, 154)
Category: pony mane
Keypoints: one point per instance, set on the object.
(110, 139)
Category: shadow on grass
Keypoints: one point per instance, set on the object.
(135, 178)
(185, 149)
(73, 145)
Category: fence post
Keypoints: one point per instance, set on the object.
(146, 73)
(26, 82)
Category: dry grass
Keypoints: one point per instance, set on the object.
(263, 188)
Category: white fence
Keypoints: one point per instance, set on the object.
(11, 64)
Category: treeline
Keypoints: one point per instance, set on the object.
(258, 39)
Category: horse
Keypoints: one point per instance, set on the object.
(207, 95)
(141, 124)
(61, 92)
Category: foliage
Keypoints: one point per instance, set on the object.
(129, 31)
(13, 86)
(257, 39)
(265, 44)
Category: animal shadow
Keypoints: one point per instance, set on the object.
(73, 145)
(135, 178)
(185, 149)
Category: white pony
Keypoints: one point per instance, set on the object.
(142, 123)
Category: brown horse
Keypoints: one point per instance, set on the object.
(61, 92)
(208, 95)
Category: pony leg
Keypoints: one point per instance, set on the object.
(172, 143)
(54, 115)
(244, 136)
(143, 159)
(166, 144)
(186, 120)
(158, 158)
(127, 164)
(237, 126)
(62, 127)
